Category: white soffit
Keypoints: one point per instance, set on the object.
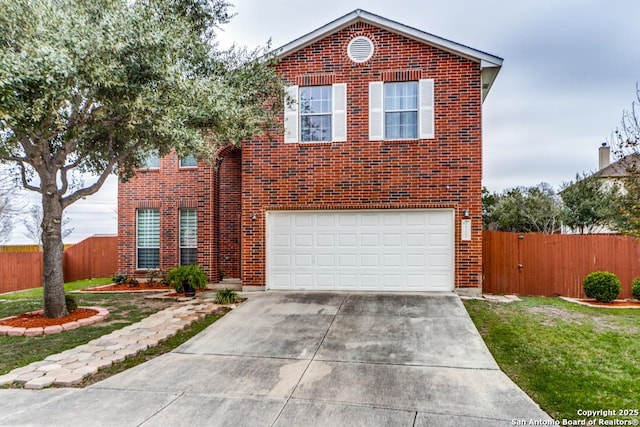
(489, 64)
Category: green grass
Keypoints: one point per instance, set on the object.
(38, 292)
(565, 356)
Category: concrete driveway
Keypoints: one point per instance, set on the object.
(306, 359)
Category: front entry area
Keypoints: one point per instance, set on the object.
(369, 250)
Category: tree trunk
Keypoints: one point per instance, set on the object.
(54, 297)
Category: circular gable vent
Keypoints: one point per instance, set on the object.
(360, 49)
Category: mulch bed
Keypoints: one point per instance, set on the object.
(614, 304)
(36, 319)
(124, 287)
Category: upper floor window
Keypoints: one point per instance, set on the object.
(188, 162)
(316, 113)
(401, 110)
(151, 161)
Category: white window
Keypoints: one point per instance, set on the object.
(188, 162)
(401, 110)
(148, 238)
(188, 236)
(151, 161)
(316, 113)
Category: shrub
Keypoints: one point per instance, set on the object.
(152, 275)
(635, 288)
(119, 278)
(70, 302)
(192, 274)
(133, 283)
(602, 285)
(226, 296)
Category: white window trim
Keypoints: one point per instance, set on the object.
(188, 166)
(338, 115)
(426, 111)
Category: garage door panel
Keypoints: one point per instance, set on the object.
(369, 239)
(282, 260)
(325, 260)
(325, 240)
(360, 250)
(304, 260)
(347, 240)
(347, 260)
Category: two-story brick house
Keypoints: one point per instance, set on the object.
(374, 185)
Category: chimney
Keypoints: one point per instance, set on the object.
(604, 155)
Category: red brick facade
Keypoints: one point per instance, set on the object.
(270, 175)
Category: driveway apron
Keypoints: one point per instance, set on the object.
(306, 359)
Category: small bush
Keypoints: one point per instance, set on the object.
(192, 274)
(119, 278)
(152, 275)
(226, 296)
(70, 302)
(133, 283)
(635, 288)
(602, 285)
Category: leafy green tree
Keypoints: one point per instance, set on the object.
(93, 86)
(528, 209)
(589, 203)
(489, 201)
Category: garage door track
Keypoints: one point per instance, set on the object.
(311, 359)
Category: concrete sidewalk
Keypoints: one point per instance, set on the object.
(307, 359)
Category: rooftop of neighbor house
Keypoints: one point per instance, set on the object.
(617, 169)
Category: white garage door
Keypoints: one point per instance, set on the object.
(381, 250)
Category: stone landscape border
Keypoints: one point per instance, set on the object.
(72, 366)
(13, 331)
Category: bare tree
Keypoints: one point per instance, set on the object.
(33, 224)
(11, 204)
(626, 146)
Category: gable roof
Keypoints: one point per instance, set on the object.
(489, 64)
(621, 168)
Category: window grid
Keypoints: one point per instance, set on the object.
(315, 113)
(148, 238)
(188, 236)
(151, 161)
(188, 162)
(401, 110)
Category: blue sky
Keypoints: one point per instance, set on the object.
(570, 69)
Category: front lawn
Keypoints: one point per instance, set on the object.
(565, 356)
(34, 293)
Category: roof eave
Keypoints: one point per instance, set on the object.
(489, 64)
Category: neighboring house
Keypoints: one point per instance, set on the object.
(374, 185)
(612, 173)
(609, 174)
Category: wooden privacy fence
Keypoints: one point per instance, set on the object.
(555, 264)
(96, 256)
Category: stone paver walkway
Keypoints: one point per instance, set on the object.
(71, 366)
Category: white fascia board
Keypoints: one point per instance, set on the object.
(485, 59)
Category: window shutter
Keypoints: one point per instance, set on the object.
(339, 119)
(376, 112)
(291, 115)
(426, 113)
